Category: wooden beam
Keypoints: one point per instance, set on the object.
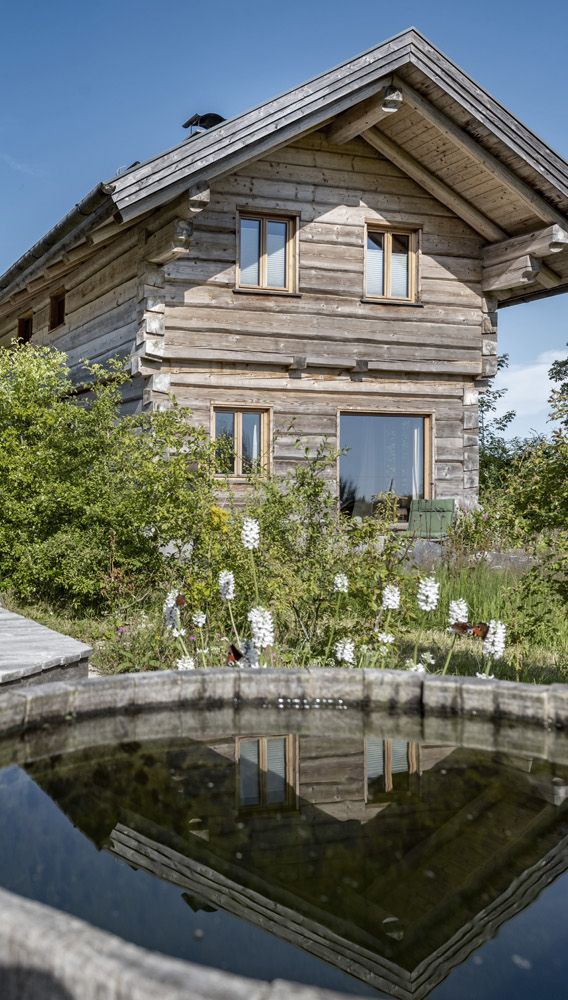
(169, 242)
(532, 198)
(511, 274)
(436, 187)
(362, 117)
(199, 197)
(539, 244)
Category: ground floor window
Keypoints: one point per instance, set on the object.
(379, 454)
(266, 772)
(242, 440)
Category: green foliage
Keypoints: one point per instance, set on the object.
(89, 500)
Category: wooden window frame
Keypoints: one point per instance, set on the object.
(291, 221)
(291, 776)
(413, 759)
(22, 321)
(413, 258)
(428, 443)
(265, 437)
(54, 300)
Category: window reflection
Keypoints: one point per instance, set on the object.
(380, 454)
(266, 771)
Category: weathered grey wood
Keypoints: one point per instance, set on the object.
(361, 117)
(511, 274)
(168, 243)
(535, 201)
(474, 218)
(540, 243)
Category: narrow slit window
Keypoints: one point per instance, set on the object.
(25, 329)
(391, 265)
(241, 441)
(266, 251)
(57, 310)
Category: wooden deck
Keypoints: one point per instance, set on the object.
(31, 653)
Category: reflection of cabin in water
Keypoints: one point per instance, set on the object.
(388, 859)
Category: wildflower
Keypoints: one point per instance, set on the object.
(494, 642)
(344, 650)
(172, 604)
(391, 597)
(486, 677)
(178, 633)
(415, 668)
(250, 533)
(386, 638)
(198, 619)
(226, 585)
(262, 627)
(428, 594)
(459, 611)
(427, 659)
(185, 663)
(340, 583)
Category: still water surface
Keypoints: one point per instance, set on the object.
(375, 866)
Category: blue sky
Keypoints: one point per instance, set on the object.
(90, 87)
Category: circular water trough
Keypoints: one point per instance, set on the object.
(49, 954)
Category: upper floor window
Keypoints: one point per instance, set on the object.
(390, 265)
(242, 440)
(57, 310)
(25, 329)
(266, 253)
(266, 772)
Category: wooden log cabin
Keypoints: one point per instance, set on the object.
(328, 265)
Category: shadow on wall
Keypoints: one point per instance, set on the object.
(20, 983)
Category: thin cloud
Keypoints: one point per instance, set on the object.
(21, 168)
(528, 388)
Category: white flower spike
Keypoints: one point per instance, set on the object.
(262, 627)
(344, 650)
(494, 642)
(459, 612)
(185, 663)
(340, 583)
(391, 597)
(385, 638)
(428, 594)
(226, 585)
(198, 619)
(250, 534)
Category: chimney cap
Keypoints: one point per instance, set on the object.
(206, 121)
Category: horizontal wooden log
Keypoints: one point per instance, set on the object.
(539, 243)
(168, 243)
(511, 274)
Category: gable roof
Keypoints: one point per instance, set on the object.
(495, 141)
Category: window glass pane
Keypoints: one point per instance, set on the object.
(375, 264)
(399, 266)
(276, 234)
(375, 758)
(225, 440)
(252, 445)
(276, 769)
(250, 252)
(382, 454)
(249, 773)
(399, 756)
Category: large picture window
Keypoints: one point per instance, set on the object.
(381, 454)
(390, 265)
(266, 253)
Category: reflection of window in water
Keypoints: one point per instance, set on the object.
(389, 765)
(266, 775)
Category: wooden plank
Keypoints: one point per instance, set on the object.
(363, 116)
(510, 180)
(439, 189)
(511, 274)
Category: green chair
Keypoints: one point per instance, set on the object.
(430, 518)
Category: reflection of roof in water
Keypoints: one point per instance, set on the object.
(394, 877)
